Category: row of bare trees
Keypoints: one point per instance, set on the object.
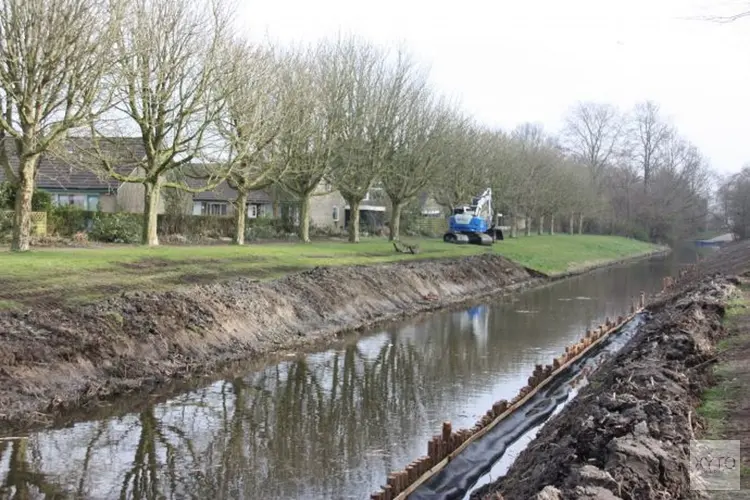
(175, 77)
(733, 203)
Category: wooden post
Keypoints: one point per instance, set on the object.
(388, 492)
(447, 429)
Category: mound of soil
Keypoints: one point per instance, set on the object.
(627, 434)
(56, 359)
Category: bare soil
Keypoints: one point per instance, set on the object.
(627, 434)
(58, 358)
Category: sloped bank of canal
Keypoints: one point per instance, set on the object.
(52, 360)
(627, 434)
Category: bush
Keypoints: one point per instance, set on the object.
(67, 220)
(116, 228)
(264, 228)
(41, 201)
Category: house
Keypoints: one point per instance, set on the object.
(220, 201)
(62, 173)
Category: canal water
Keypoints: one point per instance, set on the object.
(328, 425)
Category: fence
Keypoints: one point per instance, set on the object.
(38, 222)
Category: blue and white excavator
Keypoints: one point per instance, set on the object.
(475, 223)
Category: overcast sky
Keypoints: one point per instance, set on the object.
(515, 61)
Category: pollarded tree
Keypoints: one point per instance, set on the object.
(53, 56)
(167, 83)
(259, 99)
(416, 151)
(462, 172)
(305, 142)
(372, 98)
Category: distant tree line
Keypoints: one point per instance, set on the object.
(344, 112)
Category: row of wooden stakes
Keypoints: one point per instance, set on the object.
(442, 445)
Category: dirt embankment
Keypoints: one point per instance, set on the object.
(627, 434)
(60, 358)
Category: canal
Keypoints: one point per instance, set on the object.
(327, 425)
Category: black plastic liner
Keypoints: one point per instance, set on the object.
(460, 474)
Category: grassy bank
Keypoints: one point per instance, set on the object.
(724, 407)
(82, 274)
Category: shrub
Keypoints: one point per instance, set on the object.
(41, 201)
(67, 220)
(116, 228)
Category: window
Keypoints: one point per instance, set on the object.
(93, 202)
(217, 209)
(252, 211)
(77, 200)
(335, 214)
(197, 208)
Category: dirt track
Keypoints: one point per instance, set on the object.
(626, 435)
(55, 359)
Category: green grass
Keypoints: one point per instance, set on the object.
(561, 253)
(715, 404)
(82, 274)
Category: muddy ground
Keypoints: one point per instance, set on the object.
(627, 434)
(59, 358)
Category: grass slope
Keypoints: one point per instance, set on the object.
(57, 276)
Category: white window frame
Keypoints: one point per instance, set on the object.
(252, 211)
(335, 213)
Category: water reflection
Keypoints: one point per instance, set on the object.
(327, 425)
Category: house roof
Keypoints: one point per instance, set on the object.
(224, 192)
(65, 167)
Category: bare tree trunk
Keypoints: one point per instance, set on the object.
(276, 208)
(540, 226)
(572, 225)
(580, 223)
(354, 222)
(240, 207)
(513, 226)
(395, 222)
(304, 218)
(552, 225)
(24, 194)
(527, 229)
(150, 213)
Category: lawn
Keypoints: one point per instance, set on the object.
(83, 274)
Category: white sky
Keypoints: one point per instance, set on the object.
(514, 61)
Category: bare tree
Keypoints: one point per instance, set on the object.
(650, 134)
(593, 133)
(461, 174)
(416, 152)
(53, 55)
(306, 142)
(372, 96)
(258, 101)
(166, 84)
